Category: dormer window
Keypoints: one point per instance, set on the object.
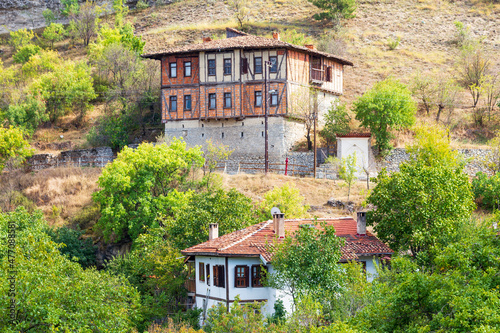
(211, 67)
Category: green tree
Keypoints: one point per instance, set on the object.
(347, 171)
(313, 268)
(25, 52)
(143, 184)
(66, 297)
(13, 147)
(54, 33)
(27, 115)
(213, 155)
(242, 318)
(388, 105)
(84, 23)
(288, 199)
(337, 122)
(335, 9)
(419, 206)
(75, 248)
(230, 209)
(20, 38)
(69, 7)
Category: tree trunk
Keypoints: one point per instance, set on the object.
(441, 107)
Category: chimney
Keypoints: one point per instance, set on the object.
(361, 225)
(207, 39)
(310, 46)
(279, 225)
(276, 35)
(213, 231)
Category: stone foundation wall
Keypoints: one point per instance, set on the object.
(95, 157)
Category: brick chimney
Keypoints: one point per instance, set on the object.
(310, 46)
(279, 225)
(276, 35)
(213, 231)
(207, 39)
(361, 225)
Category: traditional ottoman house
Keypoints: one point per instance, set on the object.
(222, 90)
(231, 265)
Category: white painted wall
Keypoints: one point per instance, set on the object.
(371, 270)
(360, 146)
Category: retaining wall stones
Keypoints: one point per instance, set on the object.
(96, 157)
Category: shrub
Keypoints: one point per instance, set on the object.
(141, 5)
(393, 43)
(75, 248)
(112, 130)
(53, 33)
(288, 199)
(24, 53)
(20, 38)
(487, 190)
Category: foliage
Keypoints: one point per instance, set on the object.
(279, 315)
(337, 122)
(112, 130)
(66, 297)
(492, 162)
(419, 206)
(231, 210)
(213, 155)
(20, 38)
(83, 24)
(28, 115)
(463, 39)
(313, 268)
(142, 184)
(457, 293)
(49, 16)
(141, 5)
(307, 315)
(239, 319)
(288, 199)
(158, 272)
(172, 328)
(393, 43)
(69, 87)
(347, 171)
(25, 52)
(123, 35)
(423, 88)
(241, 11)
(335, 9)
(294, 37)
(69, 7)
(13, 147)
(486, 190)
(43, 62)
(75, 248)
(472, 66)
(54, 33)
(388, 105)
(121, 11)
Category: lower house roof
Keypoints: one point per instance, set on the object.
(255, 241)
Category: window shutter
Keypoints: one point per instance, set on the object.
(244, 66)
(208, 274)
(221, 277)
(247, 276)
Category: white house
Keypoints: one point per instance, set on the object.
(231, 265)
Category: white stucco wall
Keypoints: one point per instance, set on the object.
(360, 146)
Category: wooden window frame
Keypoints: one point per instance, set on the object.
(230, 67)
(244, 66)
(211, 70)
(171, 66)
(207, 271)
(257, 280)
(190, 103)
(170, 99)
(190, 68)
(201, 271)
(255, 67)
(256, 93)
(214, 95)
(243, 280)
(226, 105)
(219, 276)
(274, 66)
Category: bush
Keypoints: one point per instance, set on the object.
(112, 130)
(53, 33)
(20, 38)
(393, 43)
(76, 249)
(27, 115)
(141, 5)
(287, 198)
(487, 190)
(24, 53)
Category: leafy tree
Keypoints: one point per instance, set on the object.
(83, 24)
(27, 115)
(20, 38)
(240, 319)
(418, 207)
(54, 33)
(313, 268)
(123, 36)
(287, 198)
(25, 52)
(241, 11)
(13, 147)
(347, 171)
(294, 37)
(66, 297)
(75, 248)
(472, 66)
(337, 122)
(492, 162)
(213, 155)
(423, 88)
(49, 16)
(231, 210)
(121, 11)
(487, 190)
(335, 9)
(143, 184)
(69, 7)
(388, 105)
(43, 62)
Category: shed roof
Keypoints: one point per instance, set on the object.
(242, 41)
(254, 241)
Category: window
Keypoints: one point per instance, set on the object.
(212, 101)
(173, 69)
(208, 273)
(274, 99)
(201, 273)
(227, 66)
(258, 273)
(219, 280)
(257, 65)
(187, 68)
(258, 98)
(241, 277)
(227, 100)
(211, 67)
(274, 64)
(187, 102)
(329, 74)
(173, 103)
(244, 66)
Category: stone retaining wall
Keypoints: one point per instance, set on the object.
(94, 157)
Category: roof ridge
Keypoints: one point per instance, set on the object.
(247, 236)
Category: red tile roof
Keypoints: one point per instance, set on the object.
(254, 241)
(241, 42)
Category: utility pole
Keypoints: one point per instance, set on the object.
(315, 115)
(266, 144)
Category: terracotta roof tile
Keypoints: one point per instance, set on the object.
(256, 240)
(241, 42)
